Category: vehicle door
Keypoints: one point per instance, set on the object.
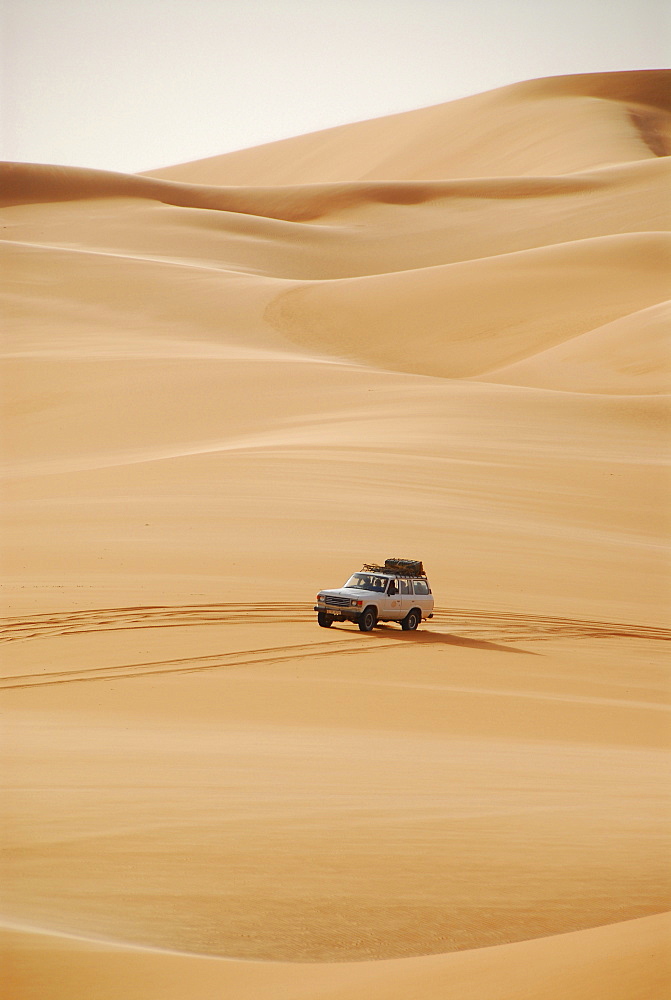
(393, 606)
(377, 595)
(406, 595)
(422, 596)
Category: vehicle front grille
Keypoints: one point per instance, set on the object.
(341, 602)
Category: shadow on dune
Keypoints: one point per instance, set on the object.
(447, 639)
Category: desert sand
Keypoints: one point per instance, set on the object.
(228, 383)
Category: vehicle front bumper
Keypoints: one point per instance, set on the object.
(339, 614)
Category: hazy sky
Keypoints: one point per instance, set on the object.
(136, 84)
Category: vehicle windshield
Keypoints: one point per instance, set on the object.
(367, 581)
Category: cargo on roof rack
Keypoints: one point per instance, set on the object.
(413, 567)
(406, 567)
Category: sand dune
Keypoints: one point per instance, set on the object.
(227, 383)
(534, 299)
(606, 961)
(559, 125)
(629, 355)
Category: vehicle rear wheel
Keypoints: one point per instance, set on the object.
(411, 620)
(367, 620)
(324, 620)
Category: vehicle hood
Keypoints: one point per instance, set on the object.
(351, 592)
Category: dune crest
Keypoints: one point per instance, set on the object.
(628, 356)
(534, 300)
(565, 123)
(578, 965)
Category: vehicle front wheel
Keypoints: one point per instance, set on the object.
(367, 620)
(411, 620)
(324, 620)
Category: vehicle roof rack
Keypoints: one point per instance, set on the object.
(401, 567)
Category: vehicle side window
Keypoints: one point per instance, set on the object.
(421, 588)
(405, 587)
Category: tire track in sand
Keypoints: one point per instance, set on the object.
(195, 664)
(483, 627)
(495, 625)
(114, 619)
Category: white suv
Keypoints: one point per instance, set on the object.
(396, 592)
